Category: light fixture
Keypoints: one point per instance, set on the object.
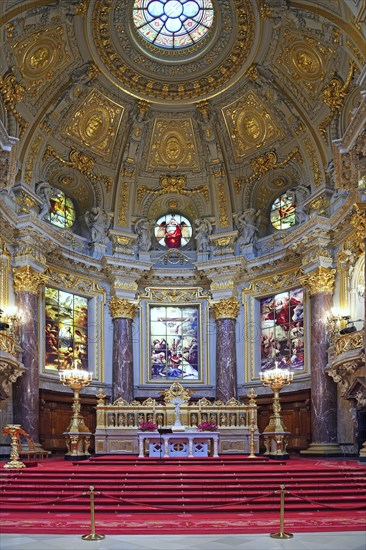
(3, 325)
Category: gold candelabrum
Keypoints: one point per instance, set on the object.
(77, 433)
(14, 430)
(275, 434)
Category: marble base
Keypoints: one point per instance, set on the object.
(323, 449)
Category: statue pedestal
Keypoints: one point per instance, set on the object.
(249, 251)
(77, 445)
(144, 256)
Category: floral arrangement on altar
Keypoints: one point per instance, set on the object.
(207, 427)
(148, 426)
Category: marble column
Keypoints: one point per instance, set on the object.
(225, 313)
(27, 282)
(323, 388)
(123, 312)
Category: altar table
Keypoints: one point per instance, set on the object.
(178, 444)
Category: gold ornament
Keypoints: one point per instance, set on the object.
(171, 184)
(226, 309)
(320, 280)
(27, 279)
(120, 307)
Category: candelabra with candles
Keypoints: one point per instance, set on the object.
(77, 433)
(276, 434)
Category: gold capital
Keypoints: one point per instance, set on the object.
(319, 280)
(27, 279)
(226, 309)
(120, 307)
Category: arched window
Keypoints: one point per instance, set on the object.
(173, 24)
(283, 212)
(173, 231)
(62, 211)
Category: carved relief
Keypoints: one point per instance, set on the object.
(249, 125)
(96, 123)
(173, 146)
(40, 56)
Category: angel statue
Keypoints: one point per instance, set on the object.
(142, 229)
(203, 230)
(98, 223)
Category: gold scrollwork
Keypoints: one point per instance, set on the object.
(319, 280)
(171, 184)
(264, 163)
(348, 342)
(12, 92)
(27, 279)
(81, 162)
(226, 309)
(173, 145)
(358, 221)
(333, 96)
(120, 307)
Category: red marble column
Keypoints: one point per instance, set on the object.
(26, 389)
(225, 313)
(323, 388)
(123, 312)
(122, 383)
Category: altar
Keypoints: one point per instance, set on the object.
(191, 444)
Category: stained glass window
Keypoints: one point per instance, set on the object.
(62, 211)
(282, 330)
(173, 231)
(174, 343)
(66, 330)
(173, 24)
(283, 212)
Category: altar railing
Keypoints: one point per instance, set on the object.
(118, 422)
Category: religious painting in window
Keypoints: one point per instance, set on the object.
(173, 24)
(62, 210)
(282, 330)
(173, 231)
(66, 330)
(283, 212)
(174, 343)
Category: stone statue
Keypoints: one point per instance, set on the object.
(247, 224)
(298, 195)
(139, 119)
(44, 191)
(142, 229)
(206, 122)
(203, 230)
(98, 223)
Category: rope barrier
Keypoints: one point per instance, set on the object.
(330, 506)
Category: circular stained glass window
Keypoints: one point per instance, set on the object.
(173, 24)
(173, 230)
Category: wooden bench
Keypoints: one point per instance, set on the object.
(28, 451)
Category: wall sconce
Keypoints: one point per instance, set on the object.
(3, 325)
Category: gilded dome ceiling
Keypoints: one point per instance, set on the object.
(209, 128)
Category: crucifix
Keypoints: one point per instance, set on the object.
(177, 402)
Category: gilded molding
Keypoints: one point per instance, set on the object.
(320, 280)
(27, 279)
(358, 221)
(226, 309)
(314, 161)
(120, 307)
(122, 57)
(34, 150)
(173, 146)
(174, 295)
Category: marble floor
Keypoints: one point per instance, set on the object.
(353, 540)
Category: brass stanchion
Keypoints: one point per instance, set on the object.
(93, 535)
(252, 430)
(282, 534)
(252, 427)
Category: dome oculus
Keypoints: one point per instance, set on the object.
(173, 24)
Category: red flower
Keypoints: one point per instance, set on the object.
(207, 427)
(148, 426)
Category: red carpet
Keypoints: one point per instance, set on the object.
(231, 494)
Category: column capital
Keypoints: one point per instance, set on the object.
(319, 280)
(226, 309)
(120, 307)
(27, 279)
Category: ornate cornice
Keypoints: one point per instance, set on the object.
(226, 309)
(27, 279)
(120, 307)
(319, 280)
